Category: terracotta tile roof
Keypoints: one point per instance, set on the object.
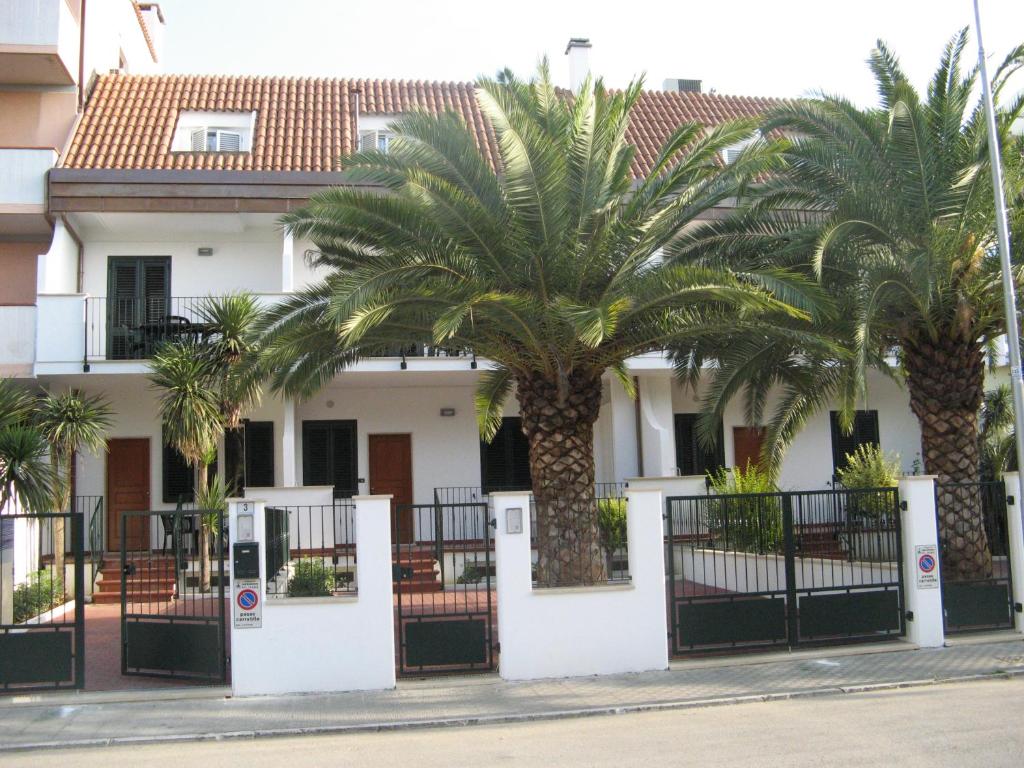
(145, 29)
(308, 124)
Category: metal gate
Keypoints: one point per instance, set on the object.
(973, 599)
(442, 574)
(42, 632)
(756, 571)
(171, 626)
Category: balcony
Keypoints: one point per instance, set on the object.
(133, 328)
(39, 42)
(23, 189)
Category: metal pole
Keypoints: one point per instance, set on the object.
(1002, 230)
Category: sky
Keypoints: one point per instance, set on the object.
(783, 48)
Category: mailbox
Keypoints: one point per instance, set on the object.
(246, 556)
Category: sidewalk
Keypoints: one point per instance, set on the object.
(98, 719)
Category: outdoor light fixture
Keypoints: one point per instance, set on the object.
(205, 251)
(447, 411)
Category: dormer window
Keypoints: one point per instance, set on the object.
(731, 153)
(375, 140)
(214, 132)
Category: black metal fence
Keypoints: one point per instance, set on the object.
(755, 570)
(442, 580)
(311, 550)
(977, 592)
(42, 597)
(172, 608)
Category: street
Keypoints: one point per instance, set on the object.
(963, 724)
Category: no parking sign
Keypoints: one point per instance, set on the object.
(247, 607)
(927, 557)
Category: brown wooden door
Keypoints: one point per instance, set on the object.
(747, 442)
(391, 472)
(128, 491)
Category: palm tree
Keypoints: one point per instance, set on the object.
(547, 266)
(70, 422)
(26, 475)
(204, 388)
(891, 209)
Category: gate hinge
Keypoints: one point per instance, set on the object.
(1009, 500)
(1018, 608)
(910, 615)
(903, 505)
(493, 522)
(497, 647)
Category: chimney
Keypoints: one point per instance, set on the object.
(153, 18)
(679, 85)
(578, 51)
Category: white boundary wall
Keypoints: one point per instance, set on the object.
(577, 631)
(320, 645)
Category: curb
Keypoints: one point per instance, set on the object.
(460, 722)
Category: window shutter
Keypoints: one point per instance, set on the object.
(156, 288)
(178, 477)
(316, 454)
(505, 461)
(229, 141)
(691, 457)
(367, 140)
(865, 432)
(198, 140)
(259, 454)
(329, 455)
(343, 445)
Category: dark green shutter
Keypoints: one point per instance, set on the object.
(691, 457)
(329, 455)
(865, 432)
(259, 454)
(234, 468)
(505, 461)
(178, 477)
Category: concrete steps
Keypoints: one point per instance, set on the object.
(149, 580)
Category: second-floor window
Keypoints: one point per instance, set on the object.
(378, 139)
(214, 132)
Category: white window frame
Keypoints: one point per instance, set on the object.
(221, 125)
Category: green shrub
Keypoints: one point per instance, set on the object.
(471, 574)
(611, 521)
(869, 467)
(749, 519)
(311, 578)
(42, 592)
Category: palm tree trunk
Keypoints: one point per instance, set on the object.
(945, 378)
(63, 504)
(560, 432)
(204, 536)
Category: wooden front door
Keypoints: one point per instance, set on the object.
(391, 472)
(128, 491)
(747, 442)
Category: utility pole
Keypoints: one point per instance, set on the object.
(1003, 233)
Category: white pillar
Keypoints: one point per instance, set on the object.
(288, 444)
(588, 630)
(923, 603)
(623, 432)
(1015, 533)
(319, 645)
(288, 263)
(656, 427)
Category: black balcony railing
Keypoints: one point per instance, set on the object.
(133, 328)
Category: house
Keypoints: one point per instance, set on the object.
(169, 189)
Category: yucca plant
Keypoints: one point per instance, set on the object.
(891, 209)
(547, 264)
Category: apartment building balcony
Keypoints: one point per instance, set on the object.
(39, 42)
(23, 189)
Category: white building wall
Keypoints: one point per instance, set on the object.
(245, 262)
(445, 449)
(808, 463)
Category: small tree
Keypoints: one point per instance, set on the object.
(70, 421)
